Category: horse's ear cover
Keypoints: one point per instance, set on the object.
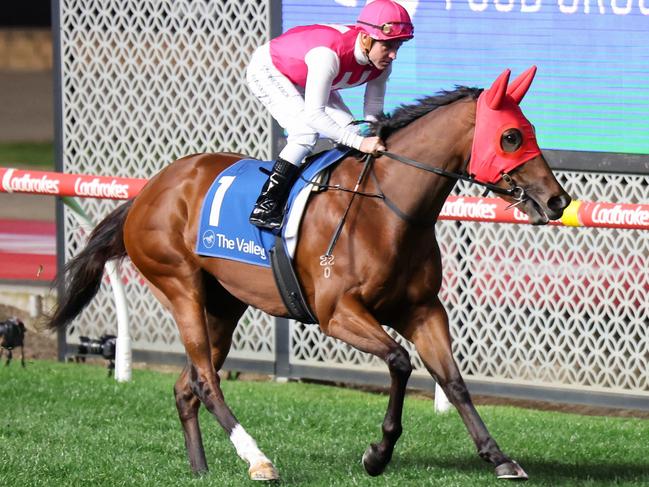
(494, 96)
(520, 85)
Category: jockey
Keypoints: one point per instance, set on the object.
(296, 77)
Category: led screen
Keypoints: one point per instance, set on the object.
(591, 92)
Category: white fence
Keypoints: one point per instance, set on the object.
(143, 83)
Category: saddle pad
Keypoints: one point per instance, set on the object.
(224, 230)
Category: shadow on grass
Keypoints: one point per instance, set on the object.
(545, 472)
(329, 468)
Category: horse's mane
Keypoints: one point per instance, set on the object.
(404, 114)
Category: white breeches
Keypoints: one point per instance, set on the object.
(285, 102)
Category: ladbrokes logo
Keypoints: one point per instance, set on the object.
(98, 189)
(469, 209)
(28, 184)
(619, 215)
(520, 216)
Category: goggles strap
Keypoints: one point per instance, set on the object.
(386, 28)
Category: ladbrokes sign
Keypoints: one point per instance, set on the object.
(41, 182)
(472, 208)
(615, 215)
(25, 183)
(469, 208)
(96, 189)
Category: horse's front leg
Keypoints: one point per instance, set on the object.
(427, 327)
(352, 323)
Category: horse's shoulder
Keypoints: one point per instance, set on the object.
(348, 165)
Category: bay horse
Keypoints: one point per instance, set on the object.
(386, 269)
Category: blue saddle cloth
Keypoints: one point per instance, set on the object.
(224, 230)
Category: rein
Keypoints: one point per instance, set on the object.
(516, 192)
(366, 167)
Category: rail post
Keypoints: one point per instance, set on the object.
(123, 351)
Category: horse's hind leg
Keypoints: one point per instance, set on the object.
(352, 323)
(428, 329)
(186, 297)
(187, 404)
(223, 313)
(220, 332)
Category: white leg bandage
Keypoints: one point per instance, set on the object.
(246, 446)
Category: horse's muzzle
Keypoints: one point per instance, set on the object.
(557, 204)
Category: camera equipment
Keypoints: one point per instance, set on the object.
(12, 335)
(104, 346)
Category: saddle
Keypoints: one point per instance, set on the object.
(225, 232)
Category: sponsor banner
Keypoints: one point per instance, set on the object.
(60, 184)
(475, 209)
(614, 215)
(578, 214)
(464, 208)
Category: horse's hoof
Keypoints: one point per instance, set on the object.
(372, 462)
(263, 471)
(510, 471)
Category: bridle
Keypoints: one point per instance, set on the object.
(516, 192)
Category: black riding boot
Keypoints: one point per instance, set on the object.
(269, 208)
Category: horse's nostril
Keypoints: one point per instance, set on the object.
(559, 203)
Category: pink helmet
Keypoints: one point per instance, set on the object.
(386, 20)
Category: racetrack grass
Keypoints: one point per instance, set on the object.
(71, 425)
(35, 155)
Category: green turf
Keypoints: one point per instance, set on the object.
(38, 155)
(70, 425)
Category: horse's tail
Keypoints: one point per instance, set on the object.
(81, 277)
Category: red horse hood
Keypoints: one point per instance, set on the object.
(497, 111)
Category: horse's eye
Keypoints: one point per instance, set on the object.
(511, 140)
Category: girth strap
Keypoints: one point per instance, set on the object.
(288, 284)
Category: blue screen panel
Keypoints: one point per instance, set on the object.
(591, 92)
